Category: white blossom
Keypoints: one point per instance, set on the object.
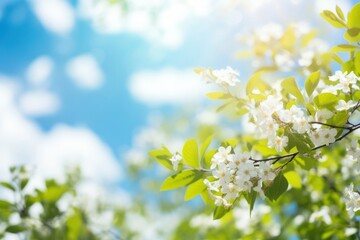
(301, 125)
(323, 213)
(247, 171)
(266, 173)
(352, 200)
(259, 189)
(342, 105)
(211, 186)
(237, 159)
(222, 155)
(338, 76)
(278, 143)
(243, 184)
(284, 61)
(231, 191)
(323, 115)
(323, 136)
(226, 77)
(269, 32)
(306, 58)
(175, 160)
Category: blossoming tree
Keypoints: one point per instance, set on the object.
(302, 133)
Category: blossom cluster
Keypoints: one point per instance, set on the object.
(233, 172)
(272, 37)
(353, 153)
(343, 82)
(225, 78)
(352, 200)
(270, 115)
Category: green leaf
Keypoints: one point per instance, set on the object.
(307, 38)
(331, 18)
(344, 48)
(251, 198)
(24, 182)
(337, 58)
(205, 145)
(353, 32)
(199, 70)
(311, 82)
(306, 163)
(255, 82)
(340, 13)
(293, 179)
(225, 105)
(354, 17)
(195, 189)
(339, 118)
(218, 95)
(180, 179)
(219, 212)
(8, 186)
(348, 66)
(206, 198)
(162, 156)
(288, 39)
(5, 204)
(357, 63)
(208, 156)
(297, 140)
(54, 193)
(15, 228)
(74, 224)
(277, 188)
(191, 153)
(325, 100)
(290, 86)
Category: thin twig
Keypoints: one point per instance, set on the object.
(329, 125)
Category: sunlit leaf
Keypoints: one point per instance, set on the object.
(290, 86)
(191, 153)
(293, 179)
(195, 189)
(340, 13)
(331, 18)
(219, 212)
(162, 156)
(311, 82)
(205, 145)
(325, 100)
(181, 179)
(218, 95)
(344, 48)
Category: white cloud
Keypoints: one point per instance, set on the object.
(85, 71)
(51, 153)
(166, 86)
(161, 21)
(40, 70)
(55, 15)
(69, 146)
(39, 102)
(107, 17)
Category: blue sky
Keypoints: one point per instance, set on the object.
(110, 111)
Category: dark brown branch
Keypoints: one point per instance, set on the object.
(329, 125)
